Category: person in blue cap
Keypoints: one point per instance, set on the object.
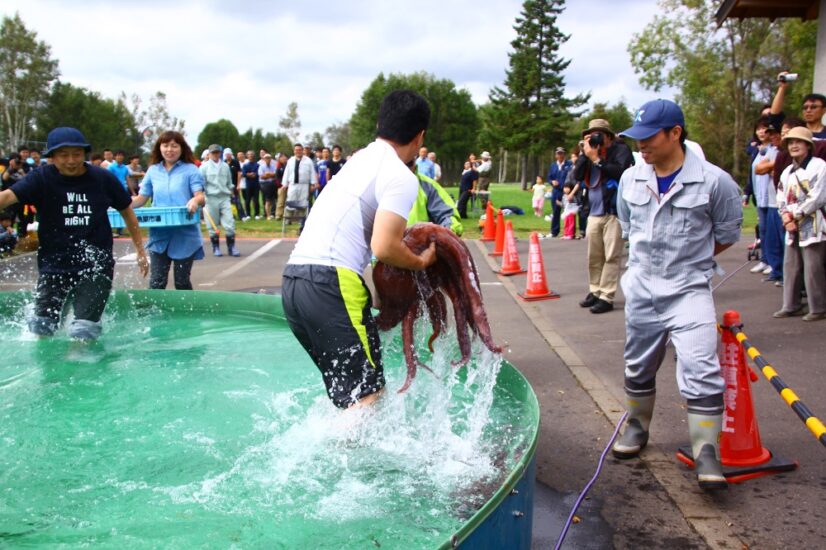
(677, 211)
(74, 258)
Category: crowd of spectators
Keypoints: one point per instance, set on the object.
(15, 220)
(267, 186)
(261, 187)
(787, 186)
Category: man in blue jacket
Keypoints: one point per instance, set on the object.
(556, 177)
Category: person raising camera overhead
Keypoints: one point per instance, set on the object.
(812, 110)
(598, 169)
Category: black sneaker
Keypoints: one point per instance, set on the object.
(602, 307)
(589, 300)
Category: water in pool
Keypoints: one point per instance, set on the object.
(182, 430)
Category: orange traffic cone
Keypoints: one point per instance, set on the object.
(499, 245)
(510, 257)
(537, 287)
(489, 232)
(741, 451)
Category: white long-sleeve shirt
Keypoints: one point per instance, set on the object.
(299, 190)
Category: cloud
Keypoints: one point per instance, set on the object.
(247, 61)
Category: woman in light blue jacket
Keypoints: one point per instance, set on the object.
(172, 180)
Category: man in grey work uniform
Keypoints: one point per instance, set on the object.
(677, 211)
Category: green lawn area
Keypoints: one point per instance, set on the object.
(502, 194)
(510, 194)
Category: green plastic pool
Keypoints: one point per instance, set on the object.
(198, 421)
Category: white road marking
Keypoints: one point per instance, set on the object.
(492, 283)
(246, 261)
(16, 256)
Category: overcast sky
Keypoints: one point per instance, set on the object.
(216, 60)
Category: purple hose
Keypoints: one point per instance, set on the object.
(590, 483)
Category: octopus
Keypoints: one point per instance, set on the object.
(406, 295)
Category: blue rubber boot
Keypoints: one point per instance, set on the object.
(82, 329)
(231, 248)
(42, 326)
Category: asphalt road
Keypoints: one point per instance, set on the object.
(573, 359)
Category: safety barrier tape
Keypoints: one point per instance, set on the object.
(789, 396)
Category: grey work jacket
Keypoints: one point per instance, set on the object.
(673, 236)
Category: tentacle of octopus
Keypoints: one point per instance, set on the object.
(470, 292)
(437, 309)
(460, 315)
(408, 345)
(472, 296)
(477, 317)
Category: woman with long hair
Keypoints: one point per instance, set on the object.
(172, 179)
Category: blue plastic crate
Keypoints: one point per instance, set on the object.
(157, 216)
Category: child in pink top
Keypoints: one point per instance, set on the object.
(569, 212)
(538, 200)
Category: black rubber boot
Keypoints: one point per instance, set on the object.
(704, 432)
(635, 437)
(231, 249)
(216, 247)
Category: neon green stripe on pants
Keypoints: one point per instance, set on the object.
(355, 300)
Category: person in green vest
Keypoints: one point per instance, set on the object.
(435, 205)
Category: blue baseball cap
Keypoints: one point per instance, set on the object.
(653, 117)
(65, 137)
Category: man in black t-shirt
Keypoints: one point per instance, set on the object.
(335, 163)
(75, 252)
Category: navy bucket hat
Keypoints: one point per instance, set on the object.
(65, 137)
(655, 116)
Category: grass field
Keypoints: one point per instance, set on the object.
(502, 194)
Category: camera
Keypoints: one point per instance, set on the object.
(788, 77)
(596, 140)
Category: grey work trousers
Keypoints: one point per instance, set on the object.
(219, 210)
(803, 265)
(659, 307)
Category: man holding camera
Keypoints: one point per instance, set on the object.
(812, 110)
(599, 168)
